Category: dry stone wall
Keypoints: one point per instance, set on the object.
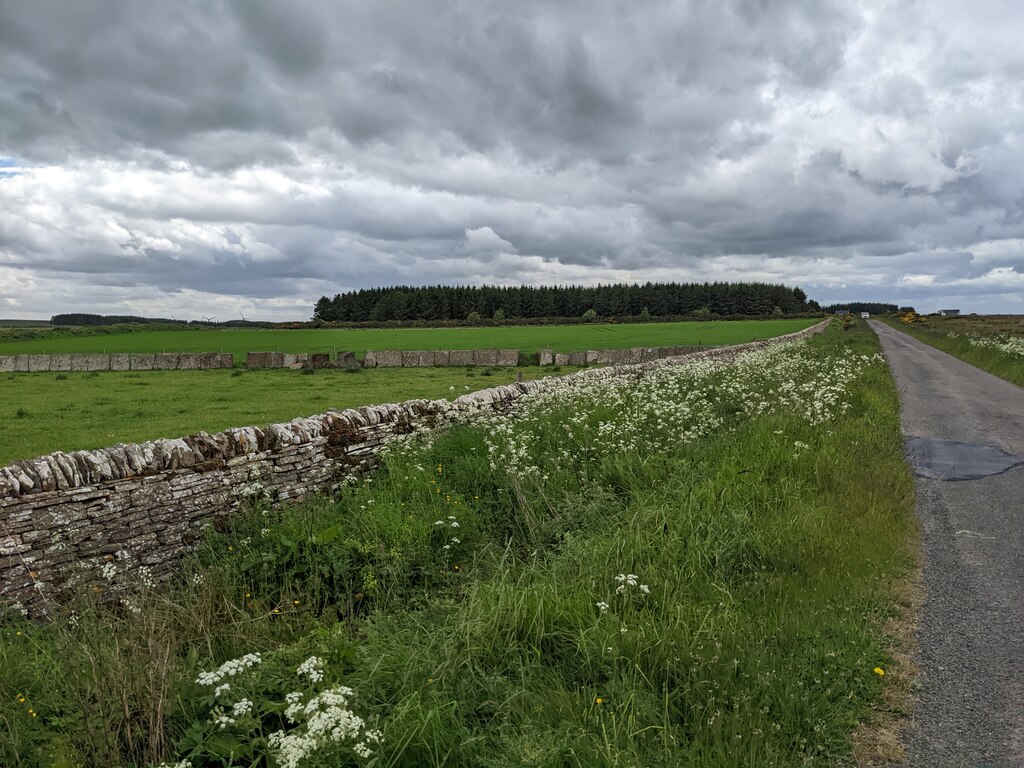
(152, 499)
(191, 361)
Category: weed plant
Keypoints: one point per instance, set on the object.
(690, 569)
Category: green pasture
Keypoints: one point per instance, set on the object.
(45, 412)
(560, 338)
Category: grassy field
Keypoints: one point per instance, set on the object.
(994, 343)
(46, 412)
(691, 570)
(561, 338)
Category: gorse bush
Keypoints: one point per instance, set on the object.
(688, 568)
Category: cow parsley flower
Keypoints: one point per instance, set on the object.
(313, 668)
(228, 669)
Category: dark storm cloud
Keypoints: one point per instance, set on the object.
(198, 155)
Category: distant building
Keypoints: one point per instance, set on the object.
(949, 312)
(865, 315)
(841, 312)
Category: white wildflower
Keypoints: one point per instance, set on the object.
(313, 668)
(328, 722)
(241, 708)
(228, 669)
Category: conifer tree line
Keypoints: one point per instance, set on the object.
(874, 307)
(444, 302)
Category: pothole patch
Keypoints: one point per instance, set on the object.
(953, 460)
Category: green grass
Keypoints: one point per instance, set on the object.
(561, 338)
(770, 546)
(937, 333)
(46, 412)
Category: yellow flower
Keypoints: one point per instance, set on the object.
(599, 700)
(295, 602)
(879, 671)
(21, 699)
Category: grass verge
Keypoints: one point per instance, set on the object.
(695, 568)
(984, 347)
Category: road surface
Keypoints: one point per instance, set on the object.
(965, 441)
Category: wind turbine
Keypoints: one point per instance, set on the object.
(208, 319)
(241, 315)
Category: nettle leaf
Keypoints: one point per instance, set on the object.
(191, 739)
(224, 745)
(327, 535)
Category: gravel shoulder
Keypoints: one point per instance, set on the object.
(965, 433)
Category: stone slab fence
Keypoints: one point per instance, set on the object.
(163, 361)
(399, 358)
(630, 356)
(296, 361)
(408, 358)
(152, 499)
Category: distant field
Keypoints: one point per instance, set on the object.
(562, 338)
(42, 413)
(24, 323)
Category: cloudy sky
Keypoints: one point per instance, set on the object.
(211, 158)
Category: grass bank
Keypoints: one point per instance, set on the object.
(686, 570)
(996, 346)
(528, 339)
(46, 412)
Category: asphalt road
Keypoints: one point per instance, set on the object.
(965, 438)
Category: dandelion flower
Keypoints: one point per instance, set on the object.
(879, 671)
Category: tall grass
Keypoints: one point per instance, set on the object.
(589, 582)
